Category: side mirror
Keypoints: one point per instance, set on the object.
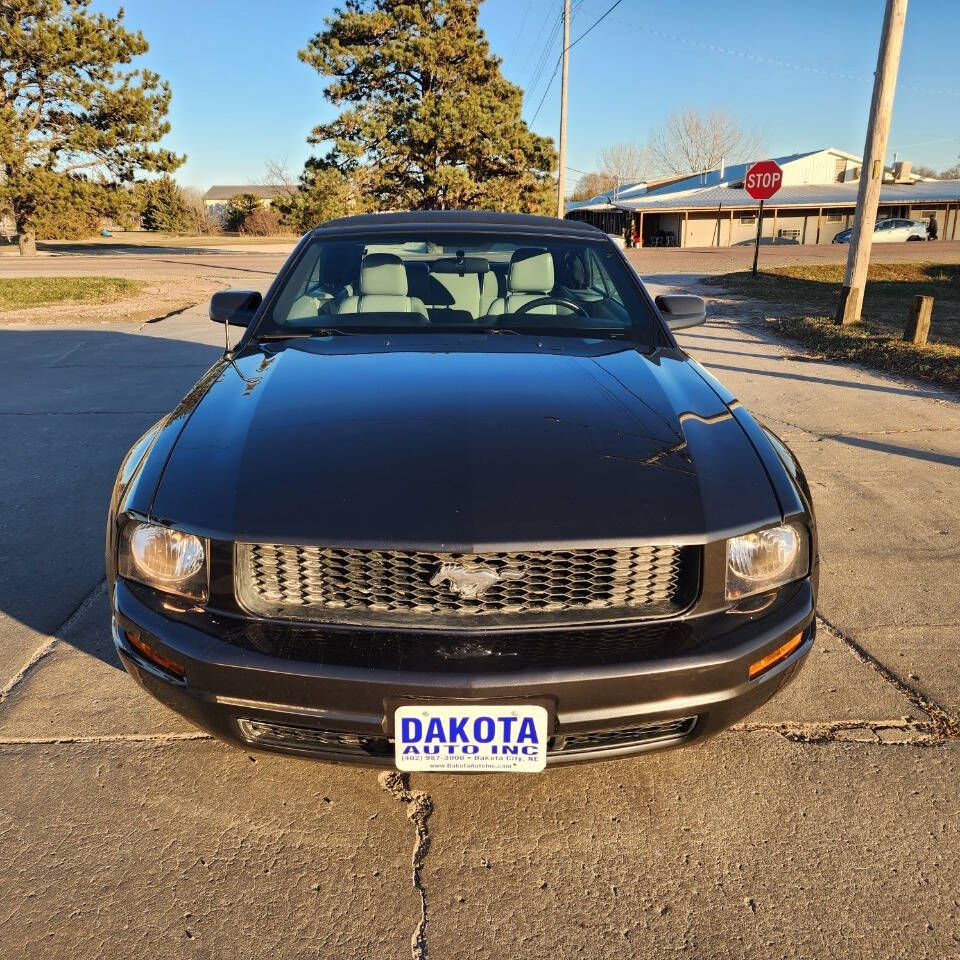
(235, 307)
(682, 310)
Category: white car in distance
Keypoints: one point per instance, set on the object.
(890, 231)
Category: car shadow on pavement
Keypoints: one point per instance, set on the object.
(697, 349)
(895, 450)
(806, 378)
(73, 402)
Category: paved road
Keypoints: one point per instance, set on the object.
(825, 826)
(705, 260)
(142, 262)
(156, 264)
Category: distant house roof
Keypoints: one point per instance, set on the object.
(264, 192)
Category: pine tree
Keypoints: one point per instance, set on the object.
(324, 193)
(238, 208)
(67, 107)
(164, 206)
(429, 122)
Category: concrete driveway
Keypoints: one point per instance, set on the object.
(825, 826)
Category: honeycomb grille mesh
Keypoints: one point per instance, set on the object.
(333, 583)
(626, 737)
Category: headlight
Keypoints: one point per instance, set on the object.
(165, 559)
(766, 559)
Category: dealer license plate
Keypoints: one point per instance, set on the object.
(464, 738)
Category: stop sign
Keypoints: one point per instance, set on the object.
(763, 180)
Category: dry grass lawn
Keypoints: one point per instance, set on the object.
(21, 293)
(807, 297)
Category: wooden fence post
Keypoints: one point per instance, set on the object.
(918, 323)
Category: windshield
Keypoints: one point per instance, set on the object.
(425, 280)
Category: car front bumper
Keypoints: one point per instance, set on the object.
(345, 713)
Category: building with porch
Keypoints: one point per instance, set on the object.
(815, 203)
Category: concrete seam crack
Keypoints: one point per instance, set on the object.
(419, 806)
(815, 436)
(104, 738)
(911, 733)
(943, 724)
(47, 647)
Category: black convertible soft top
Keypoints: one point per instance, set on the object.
(453, 219)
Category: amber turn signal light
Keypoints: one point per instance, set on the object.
(772, 659)
(156, 658)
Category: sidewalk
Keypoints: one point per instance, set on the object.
(883, 461)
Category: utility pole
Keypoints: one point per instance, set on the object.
(871, 173)
(561, 176)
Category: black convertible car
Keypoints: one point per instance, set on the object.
(457, 500)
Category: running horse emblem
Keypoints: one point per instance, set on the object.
(471, 582)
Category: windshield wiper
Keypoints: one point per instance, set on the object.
(593, 333)
(466, 328)
(309, 332)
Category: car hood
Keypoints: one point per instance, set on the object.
(462, 442)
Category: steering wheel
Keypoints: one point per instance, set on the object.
(559, 301)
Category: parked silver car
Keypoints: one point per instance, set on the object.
(890, 231)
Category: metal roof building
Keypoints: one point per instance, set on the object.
(815, 203)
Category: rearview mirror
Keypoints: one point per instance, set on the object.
(235, 307)
(682, 310)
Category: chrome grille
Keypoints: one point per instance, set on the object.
(337, 584)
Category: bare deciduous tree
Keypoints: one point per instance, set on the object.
(951, 173)
(591, 184)
(625, 163)
(619, 165)
(276, 174)
(690, 142)
(198, 218)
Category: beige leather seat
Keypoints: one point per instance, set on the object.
(382, 288)
(307, 308)
(530, 277)
(461, 297)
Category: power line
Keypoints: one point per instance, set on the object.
(549, 38)
(556, 67)
(523, 23)
(553, 76)
(773, 62)
(533, 46)
(926, 143)
(603, 16)
(544, 57)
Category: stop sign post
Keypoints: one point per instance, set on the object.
(762, 181)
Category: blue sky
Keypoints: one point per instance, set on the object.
(241, 97)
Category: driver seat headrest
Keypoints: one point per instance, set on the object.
(531, 271)
(383, 274)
